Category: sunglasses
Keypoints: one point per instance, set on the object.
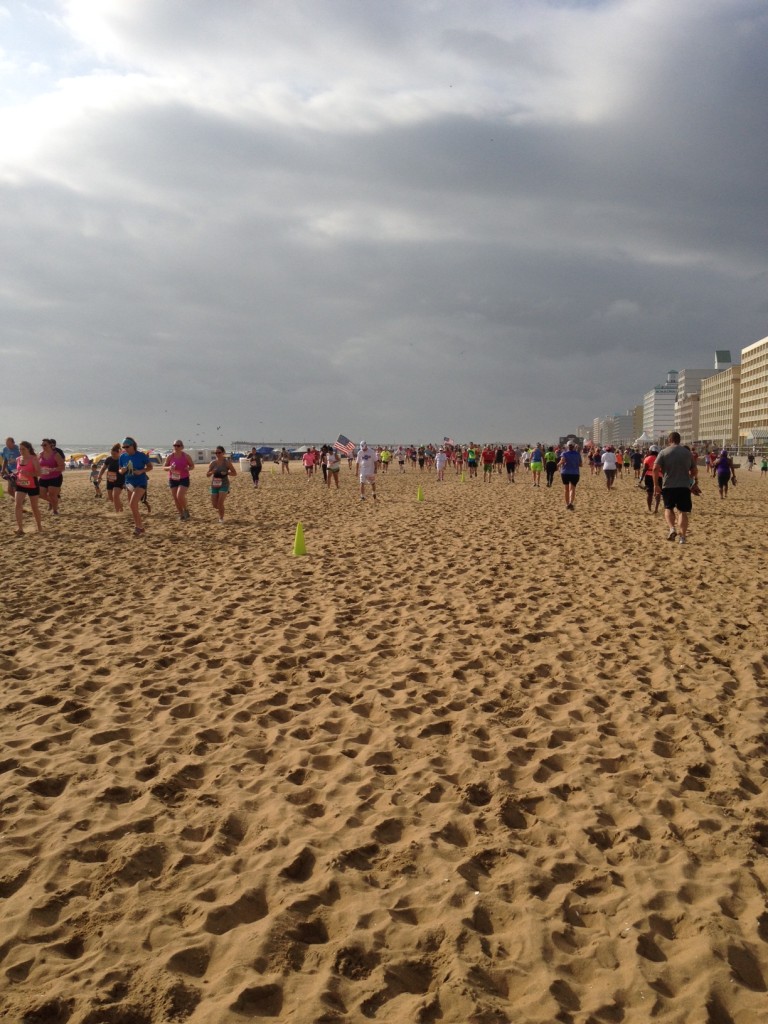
(178, 446)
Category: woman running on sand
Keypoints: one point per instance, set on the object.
(220, 470)
(332, 467)
(51, 474)
(27, 474)
(134, 466)
(570, 470)
(115, 481)
(179, 465)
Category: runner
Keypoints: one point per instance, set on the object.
(115, 480)
(255, 466)
(648, 479)
(321, 457)
(725, 473)
(570, 470)
(51, 463)
(8, 461)
(27, 474)
(550, 464)
(220, 470)
(636, 460)
(764, 466)
(510, 461)
(537, 464)
(609, 464)
(366, 464)
(488, 458)
(134, 465)
(499, 461)
(179, 465)
(285, 461)
(440, 462)
(332, 467)
(472, 460)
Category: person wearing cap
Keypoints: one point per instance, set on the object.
(441, 460)
(570, 470)
(179, 465)
(675, 472)
(648, 479)
(366, 466)
(134, 466)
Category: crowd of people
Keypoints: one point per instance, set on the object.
(669, 476)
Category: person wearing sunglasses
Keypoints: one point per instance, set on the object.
(51, 473)
(179, 465)
(134, 466)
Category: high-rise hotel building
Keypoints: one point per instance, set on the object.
(753, 401)
(719, 407)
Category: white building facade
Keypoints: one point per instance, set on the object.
(659, 408)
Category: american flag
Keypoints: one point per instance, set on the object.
(343, 444)
(448, 440)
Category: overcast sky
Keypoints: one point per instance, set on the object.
(252, 219)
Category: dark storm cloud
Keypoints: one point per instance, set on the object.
(390, 214)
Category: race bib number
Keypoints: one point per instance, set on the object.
(175, 475)
(111, 477)
(217, 482)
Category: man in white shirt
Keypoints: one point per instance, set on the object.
(440, 462)
(608, 459)
(366, 467)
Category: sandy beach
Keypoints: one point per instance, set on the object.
(472, 759)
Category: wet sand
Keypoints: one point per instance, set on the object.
(471, 759)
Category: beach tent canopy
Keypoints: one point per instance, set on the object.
(265, 450)
(643, 439)
(300, 451)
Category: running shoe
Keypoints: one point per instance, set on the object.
(672, 534)
(681, 539)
